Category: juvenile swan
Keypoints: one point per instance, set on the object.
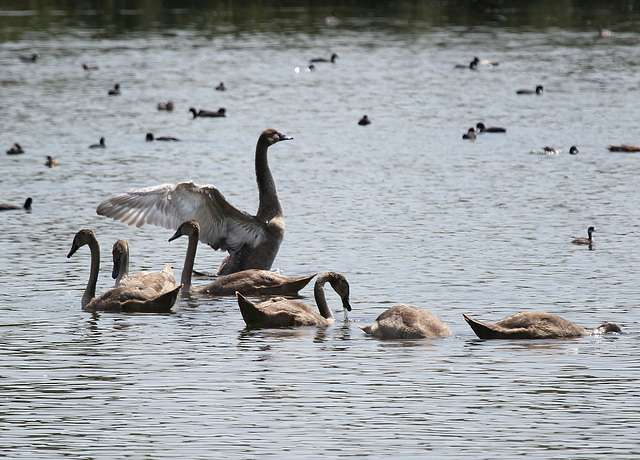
(534, 325)
(159, 282)
(247, 282)
(589, 240)
(407, 322)
(252, 241)
(120, 299)
(281, 312)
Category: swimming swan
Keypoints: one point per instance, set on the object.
(407, 322)
(120, 299)
(252, 241)
(534, 325)
(247, 282)
(281, 312)
(159, 282)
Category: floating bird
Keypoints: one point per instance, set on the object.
(155, 282)
(221, 87)
(281, 312)
(252, 241)
(539, 89)
(534, 325)
(247, 282)
(165, 106)
(122, 298)
(51, 162)
(222, 112)
(471, 134)
(115, 91)
(589, 240)
(311, 68)
(481, 128)
(150, 138)
(11, 207)
(574, 150)
(407, 322)
(90, 67)
(15, 149)
(31, 58)
(364, 121)
(332, 59)
(621, 148)
(99, 145)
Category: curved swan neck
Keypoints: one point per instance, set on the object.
(189, 260)
(270, 205)
(90, 290)
(321, 299)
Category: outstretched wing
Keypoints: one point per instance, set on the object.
(222, 225)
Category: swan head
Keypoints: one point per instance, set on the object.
(339, 284)
(83, 237)
(272, 136)
(188, 228)
(120, 254)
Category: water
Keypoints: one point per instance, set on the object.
(404, 208)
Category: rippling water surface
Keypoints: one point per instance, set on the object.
(404, 208)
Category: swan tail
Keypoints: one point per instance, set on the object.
(250, 313)
(483, 330)
(366, 329)
(295, 285)
(161, 304)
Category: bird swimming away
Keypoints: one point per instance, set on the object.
(252, 241)
(539, 90)
(115, 91)
(221, 112)
(534, 325)
(574, 150)
(165, 106)
(364, 121)
(12, 207)
(332, 59)
(407, 322)
(90, 67)
(221, 87)
(280, 312)
(99, 145)
(624, 148)
(51, 162)
(590, 240)
(150, 138)
(15, 149)
(481, 128)
(247, 282)
(471, 134)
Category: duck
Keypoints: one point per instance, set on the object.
(407, 322)
(15, 149)
(12, 207)
(150, 138)
(165, 106)
(332, 59)
(364, 121)
(221, 87)
(121, 298)
(222, 112)
(574, 150)
(51, 162)
(31, 58)
(471, 134)
(247, 282)
(590, 240)
(100, 145)
(484, 62)
(309, 68)
(90, 67)
(158, 282)
(481, 128)
(539, 90)
(621, 148)
(535, 325)
(281, 312)
(252, 241)
(115, 91)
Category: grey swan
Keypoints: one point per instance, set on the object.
(166, 106)
(471, 134)
(99, 145)
(159, 282)
(615, 148)
(51, 162)
(150, 138)
(407, 322)
(534, 325)
(364, 121)
(247, 282)
(539, 90)
(221, 112)
(252, 241)
(119, 299)
(590, 240)
(115, 91)
(332, 59)
(281, 312)
(481, 128)
(15, 149)
(12, 207)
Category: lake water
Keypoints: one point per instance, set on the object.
(404, 208)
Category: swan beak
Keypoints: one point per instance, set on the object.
(345, 304)
(74, 248)
(284, 137)
(116, 269)
(176, 235)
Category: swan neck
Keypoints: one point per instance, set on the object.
(270, 205)
(90, 290)
(189, 260)
(321, 299)
(124, 267)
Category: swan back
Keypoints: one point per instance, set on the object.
(159, 282)
(407, 322)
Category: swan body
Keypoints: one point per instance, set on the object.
(15, 149)
(481, 128)
(165, 106)
(252, 241)
(471, 134)
(115, 91)
(281, 312)
(221, 112)
(407, 322)
(534, 325)
(99, 145)
(590, 240)
(539, 90)
(332, 59)
(11, 207)
(247, 282)
(122, 298)
(364, 121)
(618, 148)
(51, 162)
(159, 282)
(150, 138)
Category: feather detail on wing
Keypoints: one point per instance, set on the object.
(222, 225)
